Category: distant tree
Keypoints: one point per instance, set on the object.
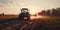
(48, 12)
(58, 11)
(39, 13)
(42, 12)
(54, 12)
(2, 13)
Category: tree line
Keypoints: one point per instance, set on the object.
(50, 12)
(1, 14)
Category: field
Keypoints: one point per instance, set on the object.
(42, 23)
(8, 17)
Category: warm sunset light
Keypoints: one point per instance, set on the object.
(32, 9)
(13, 6)
(39, 17)
(35, 17)
(29, 14)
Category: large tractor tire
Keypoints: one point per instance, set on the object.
(21, 16)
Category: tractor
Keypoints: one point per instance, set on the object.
(24, 14)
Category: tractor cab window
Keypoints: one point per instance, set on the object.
(24, 11)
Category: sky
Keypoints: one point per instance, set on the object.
(14, 6)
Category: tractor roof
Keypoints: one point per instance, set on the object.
(24, 9)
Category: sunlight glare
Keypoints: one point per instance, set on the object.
(32, 10)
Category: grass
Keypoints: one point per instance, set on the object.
(8, 17)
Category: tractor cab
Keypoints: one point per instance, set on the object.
(24, 10)
(24, 14)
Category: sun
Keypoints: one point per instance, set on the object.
(32, 10)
